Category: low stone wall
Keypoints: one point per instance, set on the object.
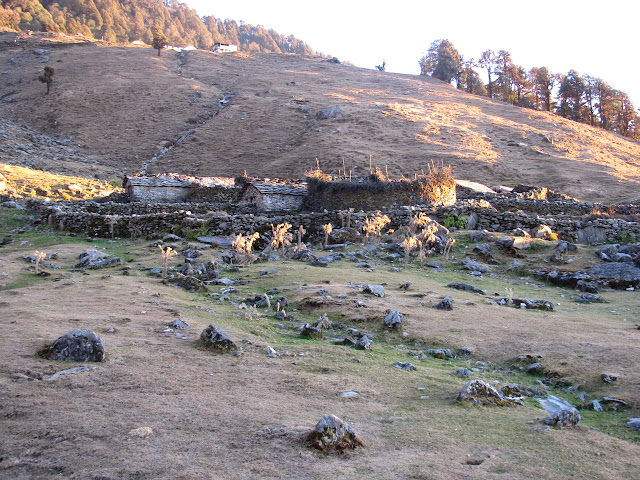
(136, 219)
(215, 194)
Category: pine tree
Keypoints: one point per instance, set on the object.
(488, 62)
(442, 61)
(571, 96)
(542, 83)
(160, 40)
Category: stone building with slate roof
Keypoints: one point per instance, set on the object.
(171, 187)
(156, 188)
(275, 195)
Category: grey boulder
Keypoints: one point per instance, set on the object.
(216, 339)
(333, 434)
(76, 346)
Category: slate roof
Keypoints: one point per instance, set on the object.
(156, 181)
(279, 187)
(173, 180)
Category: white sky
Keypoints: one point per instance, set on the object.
(599, 39)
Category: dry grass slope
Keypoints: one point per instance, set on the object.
(124, 105)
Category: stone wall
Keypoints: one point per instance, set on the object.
(215, 194)
(282, 203)
(144, 193)
(137, 219)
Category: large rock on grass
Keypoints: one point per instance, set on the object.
(92, 258)
(394, 320)
(216, 339)
(562, 413)
(76, 346)
(617, 275)
(481, 393)
(375, 290)
(333, 434)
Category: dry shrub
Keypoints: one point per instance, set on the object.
(318, 175)
(244, 247)
(280, 236)
(300, 246)
(39, 257)
(438, 185)
(409, 244)
(373, 225)
(418, 221)
(327, 229)
(166, 254)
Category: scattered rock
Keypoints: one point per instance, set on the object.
(349, 394)
(564, 247)
(323, 322)
(333, 434)
(76, 346)
(608, 378)
(564, 418)
(328, 113)
(520, 232)
(533, 304)
(271, 352)
(463, 372)
(178, 324)
(364, 343)
(535, 368)
(309, 331)
(478, 236)
(92, 259)
(445, 304)
(474, 266)
(375, 290)
(394, 320)
(142, 432)
(405, 366)
(441, 353)
(66, 372)
(589, 298)
(634, 423)
(466, 287)
(614, 404)
(543, 231)
(216, 339)
(505, 242)
(616, 275)
(521, 243)
(479, 392)
(562, 413)
(405, 286)
(484, 250)
(189, 282)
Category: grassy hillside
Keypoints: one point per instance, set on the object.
(244, 417)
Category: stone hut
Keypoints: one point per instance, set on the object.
(275, 195)
(157, 188)
(179, 188)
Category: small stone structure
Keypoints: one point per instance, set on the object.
(156, 188)
(174, 188)
(275, 195)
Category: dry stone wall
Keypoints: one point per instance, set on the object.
(567, 218)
